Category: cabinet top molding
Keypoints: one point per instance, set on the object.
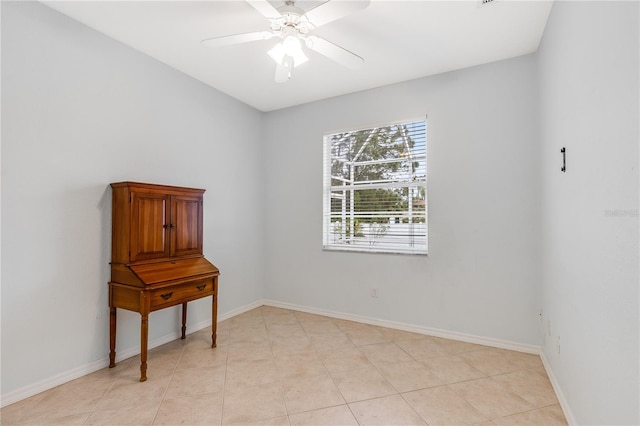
(154, 186)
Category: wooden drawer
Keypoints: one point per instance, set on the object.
(180, 293)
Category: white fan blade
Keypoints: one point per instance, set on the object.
(265, 8)
(236, 39)
(283, 70)
(332, 10)
(335, 52)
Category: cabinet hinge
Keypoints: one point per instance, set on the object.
(130, 197)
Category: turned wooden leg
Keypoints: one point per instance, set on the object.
(214, 319)
(184, 320)
(112, 337)
(144, 337)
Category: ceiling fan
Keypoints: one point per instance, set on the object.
(294, 26)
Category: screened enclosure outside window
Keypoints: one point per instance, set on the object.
(374, 194)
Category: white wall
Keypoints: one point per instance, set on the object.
(80, 110)
(481, 276)
(588, 63)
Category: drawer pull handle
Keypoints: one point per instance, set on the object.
(166, 295)
(201, 287)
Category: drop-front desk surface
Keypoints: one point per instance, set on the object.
(145, 288)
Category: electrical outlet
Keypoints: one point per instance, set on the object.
(374, 293)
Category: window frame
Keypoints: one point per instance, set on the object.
(417, 183)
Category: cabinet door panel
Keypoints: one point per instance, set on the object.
(149, 227)
(186, 218)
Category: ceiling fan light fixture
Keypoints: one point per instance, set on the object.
(293, 26)
(290, 47)
(277, 53)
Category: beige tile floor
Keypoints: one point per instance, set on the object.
(280, 367)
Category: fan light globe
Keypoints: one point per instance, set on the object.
(291, 47)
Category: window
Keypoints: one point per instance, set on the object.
(374, 195)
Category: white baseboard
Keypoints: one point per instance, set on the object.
(568, 414)
(52, 382)
(67, 376)
(241, 310)
(480, 340)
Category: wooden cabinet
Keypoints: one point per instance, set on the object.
(155, 222)
(156, 256)
(165, 225)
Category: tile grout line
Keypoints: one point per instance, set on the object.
(115, 379)
(449, 354)
(506, 388)
(278, 378)
(164, 394)
(333, 380)
(398, 392)
(348, 404)
(315, 351)
(224, 382)
(331, 377)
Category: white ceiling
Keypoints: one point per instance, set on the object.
(399, 40)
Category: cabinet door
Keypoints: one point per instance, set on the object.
(186, 221)
(149, 226)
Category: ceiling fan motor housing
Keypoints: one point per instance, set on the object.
(292, 20)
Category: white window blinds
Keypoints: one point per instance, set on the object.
(375, 196)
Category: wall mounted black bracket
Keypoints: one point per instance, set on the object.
(564, 160)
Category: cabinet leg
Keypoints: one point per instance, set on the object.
(184, 320)
(144, 338)
(112, 337)
(214, 319)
